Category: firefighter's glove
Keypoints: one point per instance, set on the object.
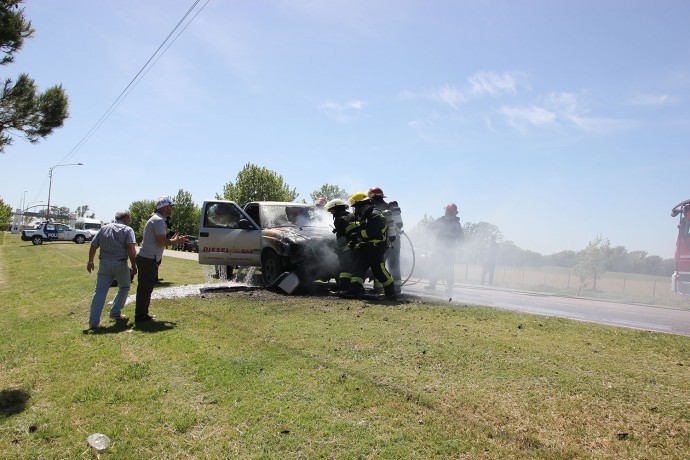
(353, 239)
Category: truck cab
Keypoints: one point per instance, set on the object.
(279, 237)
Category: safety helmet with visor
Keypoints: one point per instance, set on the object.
(375, 191)
(451, 208)
(335, 203)
(358, 198)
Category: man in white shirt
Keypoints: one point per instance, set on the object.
(150, 254)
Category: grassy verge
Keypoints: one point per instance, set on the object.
(257, 375)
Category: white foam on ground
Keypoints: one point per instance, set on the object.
(189, 290)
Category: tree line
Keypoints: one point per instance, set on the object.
(255, 183)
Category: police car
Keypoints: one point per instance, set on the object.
(51, 231)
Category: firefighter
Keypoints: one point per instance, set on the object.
(391, 212)
(320, 207)
(344, 223)
(369, 241)
(447, 233)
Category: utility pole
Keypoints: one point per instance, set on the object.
(50, 187)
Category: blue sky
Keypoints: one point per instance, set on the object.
(557, 121)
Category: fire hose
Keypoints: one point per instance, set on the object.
(413, 260)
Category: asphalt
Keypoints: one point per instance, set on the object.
(631, 315)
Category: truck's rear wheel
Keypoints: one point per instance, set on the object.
(271, 267)
(37, 239)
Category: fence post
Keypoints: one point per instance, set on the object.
(623, 285)
(654, 290)
(568, 287)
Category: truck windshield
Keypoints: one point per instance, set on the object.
(273, 216)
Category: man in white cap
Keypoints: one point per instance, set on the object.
(150, 255)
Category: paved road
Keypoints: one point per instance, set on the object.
(181, 254)
(638, 316)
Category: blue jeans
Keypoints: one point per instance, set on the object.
(107, 271)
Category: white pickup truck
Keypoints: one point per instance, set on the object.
(279, 237)
(49, 231)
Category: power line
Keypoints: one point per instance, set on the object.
(138, 77)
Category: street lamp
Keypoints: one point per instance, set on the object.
(50, 187)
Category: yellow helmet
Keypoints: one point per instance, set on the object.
(358, 197)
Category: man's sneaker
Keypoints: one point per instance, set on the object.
(119, 317)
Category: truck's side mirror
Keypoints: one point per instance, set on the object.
(244, 224)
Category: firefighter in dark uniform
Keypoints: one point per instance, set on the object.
(369, 241)
(344, 223)
(448, 234)
(391, 212)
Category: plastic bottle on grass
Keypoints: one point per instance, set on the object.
(98, 441)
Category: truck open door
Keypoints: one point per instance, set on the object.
(228, 236)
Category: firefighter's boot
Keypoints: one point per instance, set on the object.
(353, 291)
(343, 284)
(389, 292)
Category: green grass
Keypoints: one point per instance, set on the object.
(257, 375)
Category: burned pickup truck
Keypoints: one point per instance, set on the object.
(291, 242)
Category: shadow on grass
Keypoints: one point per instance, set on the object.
(123, 325)
(13, 402)
(120, 325)
(154, 326)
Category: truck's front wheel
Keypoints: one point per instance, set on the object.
(37, 239)
(79, 239)
(271, 267)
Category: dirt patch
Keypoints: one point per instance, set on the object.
(247, 292)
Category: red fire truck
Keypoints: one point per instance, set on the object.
(680, 281)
